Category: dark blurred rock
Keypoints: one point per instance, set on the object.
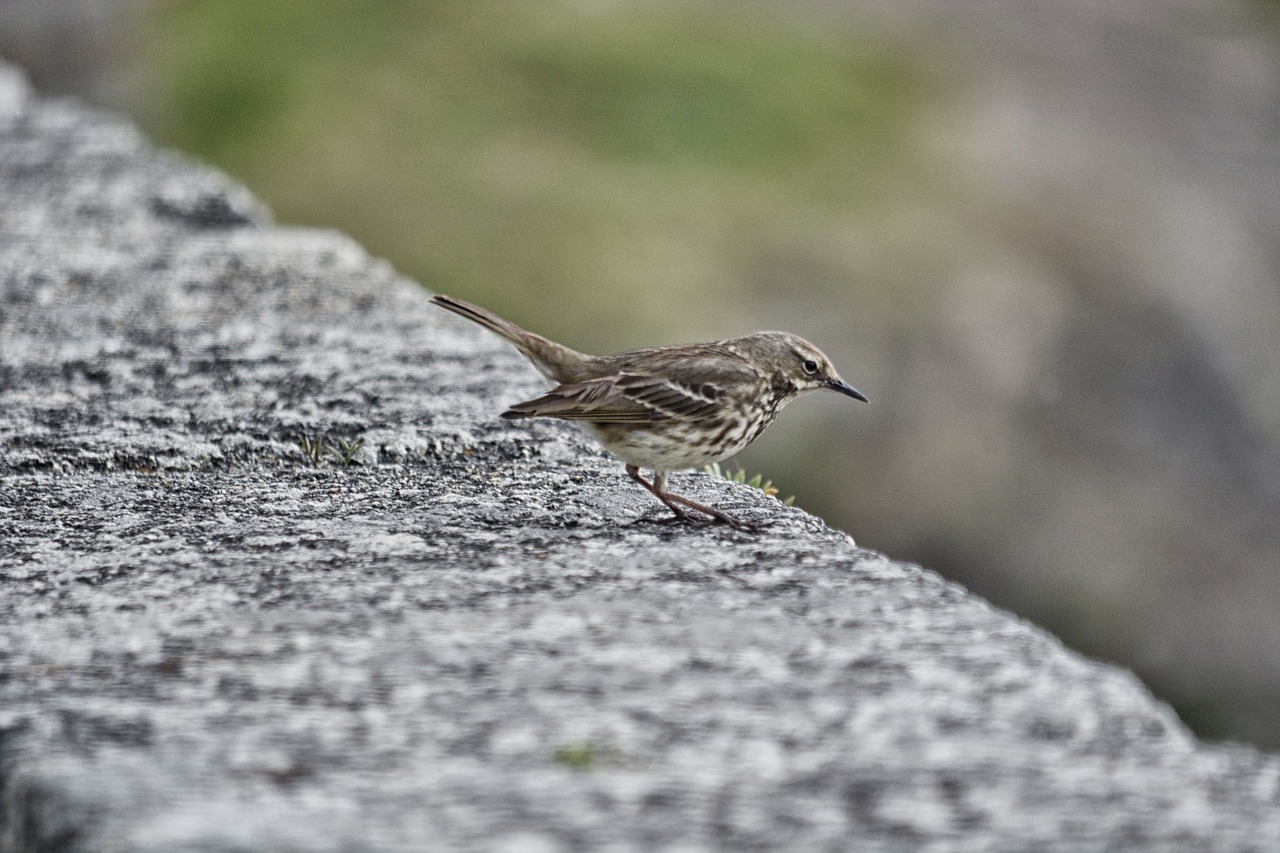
(1076, 369)
(68, 46)
(471, 638)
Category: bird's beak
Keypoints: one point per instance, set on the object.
(845, 388)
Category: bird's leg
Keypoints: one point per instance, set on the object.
(716, 514)
(680, 515)
(659, 489)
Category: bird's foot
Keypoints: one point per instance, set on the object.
(713, 518)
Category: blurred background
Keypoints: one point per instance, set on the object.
(1042, 235)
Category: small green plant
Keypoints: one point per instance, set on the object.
(342, 450)
(584, 755)
(345, 450)
(756, 482)
(312, 448)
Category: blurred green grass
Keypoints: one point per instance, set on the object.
(613, 174)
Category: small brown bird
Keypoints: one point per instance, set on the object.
(669, 408)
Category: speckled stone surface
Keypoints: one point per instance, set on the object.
(475, 636)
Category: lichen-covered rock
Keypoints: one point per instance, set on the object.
(473, 636)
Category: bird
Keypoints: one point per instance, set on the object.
(668, 408)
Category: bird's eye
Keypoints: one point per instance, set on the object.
(810, 367)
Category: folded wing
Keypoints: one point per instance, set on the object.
(692, 390)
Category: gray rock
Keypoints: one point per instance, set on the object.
(474, 636)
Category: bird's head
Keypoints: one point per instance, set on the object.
(797, 362)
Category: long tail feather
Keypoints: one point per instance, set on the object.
(554, 361)
(486, 318)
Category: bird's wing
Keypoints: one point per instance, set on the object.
(689, 390)
(595, 400)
